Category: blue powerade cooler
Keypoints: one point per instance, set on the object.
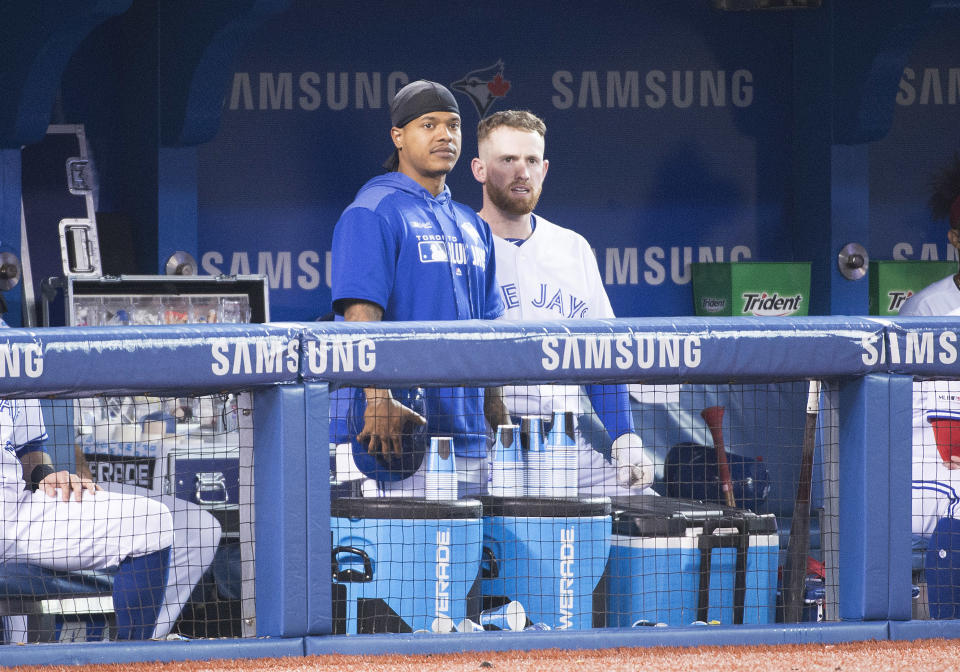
(548, 554)
(402, 565)
(677, 561)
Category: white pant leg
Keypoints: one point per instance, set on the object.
(196, 535)
(14, 629)
(473, 476)
(100, 531)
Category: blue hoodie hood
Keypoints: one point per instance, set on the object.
(381, 186)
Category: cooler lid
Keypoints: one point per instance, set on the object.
(653, 516)
(403, 508)
(546, 507)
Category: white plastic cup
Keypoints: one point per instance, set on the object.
(466, 625)
(440, 479)
(510, 616)
(442, 625)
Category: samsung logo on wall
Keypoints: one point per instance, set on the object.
(611, 89)
(619, 266)
(621, 89)
(309, 91)
(930, 86)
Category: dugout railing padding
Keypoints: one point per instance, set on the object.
(289, 367)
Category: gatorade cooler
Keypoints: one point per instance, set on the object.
(677, 561)
(893, 282)
(548, 554)
(401, 565)
(758, 288)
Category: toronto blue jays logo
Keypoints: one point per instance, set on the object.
(483, 86)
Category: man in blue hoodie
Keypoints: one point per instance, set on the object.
(404, 250)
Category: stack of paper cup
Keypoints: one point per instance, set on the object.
(536, 480)
(507, 473)
(561, 451)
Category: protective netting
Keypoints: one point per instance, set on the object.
(936, 533)
(179, 473)
(589, 506)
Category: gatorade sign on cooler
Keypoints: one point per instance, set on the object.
(760, 289)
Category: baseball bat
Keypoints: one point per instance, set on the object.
(798, 546)
(714, 419)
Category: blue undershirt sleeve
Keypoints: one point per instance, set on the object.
(31, 446)
(612, 404)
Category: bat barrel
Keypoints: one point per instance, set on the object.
(713, 416)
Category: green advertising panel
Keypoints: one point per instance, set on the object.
(764, 289)
(892, 282)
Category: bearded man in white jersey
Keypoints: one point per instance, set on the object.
(547, 272)
(936, 473)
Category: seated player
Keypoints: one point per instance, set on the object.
(61, 521)
(936, 478)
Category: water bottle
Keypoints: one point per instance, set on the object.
(441, 476)
(561, 451)
(507, 474)
(531, 442)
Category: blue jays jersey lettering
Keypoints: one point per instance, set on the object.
(552, 275)
(434, 248)
(565, 305)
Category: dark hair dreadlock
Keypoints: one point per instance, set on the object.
(945, 187)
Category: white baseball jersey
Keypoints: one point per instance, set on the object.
(21, 421)
(939, 298)
(553, 276)
(936, 489)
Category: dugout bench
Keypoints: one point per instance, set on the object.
(44, 595)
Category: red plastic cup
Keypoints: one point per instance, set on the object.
(946, 431)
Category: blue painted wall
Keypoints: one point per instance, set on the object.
(238, 131)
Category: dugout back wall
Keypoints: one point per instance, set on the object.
(678, 132)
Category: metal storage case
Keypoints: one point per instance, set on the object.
(155, 299)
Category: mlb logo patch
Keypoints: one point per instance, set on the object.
(431, 251)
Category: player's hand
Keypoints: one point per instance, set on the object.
(634, 467)
(494, 410)
(69, 485)
(384, 422)
(954, 462)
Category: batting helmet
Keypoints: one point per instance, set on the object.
(691, 472)
(415, 439)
